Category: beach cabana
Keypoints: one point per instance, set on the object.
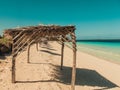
(25, 36)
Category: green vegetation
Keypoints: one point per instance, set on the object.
(5, 45)
(5, 41)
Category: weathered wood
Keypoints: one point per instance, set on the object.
(62, 55)
(74, 62)
(60, 42)
(13, 70)
(19, 34)
(51, 30)
(29, 43)
(37, 46)
(73, 71)
(13, 64)
(24, 43)
(36, 38)
(28, 54)
(20, 39)
(20, 43)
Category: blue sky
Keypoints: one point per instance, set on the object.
(94, 19)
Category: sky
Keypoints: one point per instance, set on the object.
(94, 19)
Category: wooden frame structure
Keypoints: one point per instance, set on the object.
(25, 36)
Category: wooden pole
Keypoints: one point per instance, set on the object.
(13, 69)
(13, 63)
(28, 54)
(37, 46)
(74, 62)
(62, 55)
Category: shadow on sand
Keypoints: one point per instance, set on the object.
(50, 52)
(49, 48)
(2, 57)
(84, 77)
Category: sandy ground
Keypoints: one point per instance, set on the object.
(43, 72)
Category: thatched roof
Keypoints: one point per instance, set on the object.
(42, 30)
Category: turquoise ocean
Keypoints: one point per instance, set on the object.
(107, 50)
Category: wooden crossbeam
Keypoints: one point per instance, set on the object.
(28, 52)
(18, 45)
(18, 34)
(24, 43)
(65, 44)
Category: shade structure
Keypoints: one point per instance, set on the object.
(25, 36)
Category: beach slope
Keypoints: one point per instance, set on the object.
(43, 72)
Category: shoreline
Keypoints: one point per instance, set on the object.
(99, 53)
(100, 40)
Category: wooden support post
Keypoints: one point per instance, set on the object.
(74, 62)
(28, 54)
(62, 55)
(37, 46)
(13, 63)
(13, 69)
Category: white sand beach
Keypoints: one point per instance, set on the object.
(43, 72)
